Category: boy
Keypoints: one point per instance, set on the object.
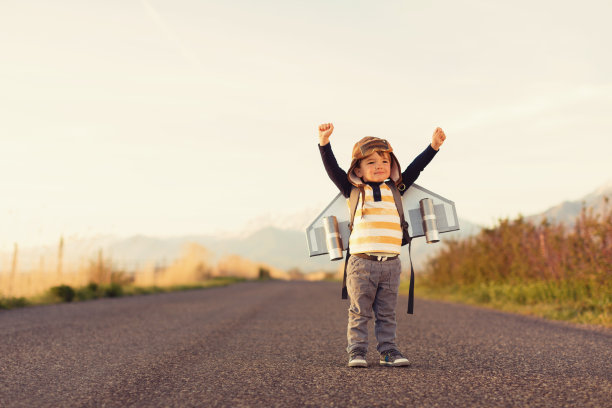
(373, 268)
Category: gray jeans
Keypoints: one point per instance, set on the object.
(372, 286)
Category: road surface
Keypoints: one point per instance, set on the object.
(266, 344)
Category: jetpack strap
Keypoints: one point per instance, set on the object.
(344, 290)
(353, 199)
(397, 197)
(406, 239)
(411, 289)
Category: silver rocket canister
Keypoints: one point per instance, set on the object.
(429, 220)
(332, 238)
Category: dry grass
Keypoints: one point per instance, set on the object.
(35, 282)
(195, 266)
(234, 265)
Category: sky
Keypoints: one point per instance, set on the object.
(168, 118)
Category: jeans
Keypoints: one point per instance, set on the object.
(372, 287)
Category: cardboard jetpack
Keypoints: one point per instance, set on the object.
(427, 213)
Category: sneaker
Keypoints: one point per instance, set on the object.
(393, 358)
(357, 358)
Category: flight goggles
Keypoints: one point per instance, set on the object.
(374, 145)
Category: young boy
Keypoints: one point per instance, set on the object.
(373, 268)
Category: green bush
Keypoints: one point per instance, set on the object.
(264, 273)
(64, 293)
(91, 291)
(113, 290)
(12, 302)
(564, 272)
(146, 290)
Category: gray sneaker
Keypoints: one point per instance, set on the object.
(357, 358)
(393, 358)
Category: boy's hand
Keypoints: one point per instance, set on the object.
(438, 138)
(325, 131)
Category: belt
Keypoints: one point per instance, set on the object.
(375, 258)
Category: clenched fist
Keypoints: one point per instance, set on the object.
(438, 138)
(325, 131)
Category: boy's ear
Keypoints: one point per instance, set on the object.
(358, 172)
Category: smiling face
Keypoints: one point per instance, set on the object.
(375, 167)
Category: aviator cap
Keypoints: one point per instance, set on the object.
(366, 147)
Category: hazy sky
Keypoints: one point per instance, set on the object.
(173, 117)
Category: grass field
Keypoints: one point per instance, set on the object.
(548, 270)
(66, 293)
(557, 301)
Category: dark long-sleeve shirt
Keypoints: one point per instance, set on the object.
(340, 179)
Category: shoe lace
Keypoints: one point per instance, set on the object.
(393, 353)
(357, 352)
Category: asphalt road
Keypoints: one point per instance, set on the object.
(264, 344)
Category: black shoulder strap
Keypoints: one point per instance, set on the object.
(353, 201)
(398, 199)
(411, 289)
(344, 290)
(405, 240)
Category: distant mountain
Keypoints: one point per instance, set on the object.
(262, 241)
(281, 248)
(568, 211)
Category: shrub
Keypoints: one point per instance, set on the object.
(556, 271)
(113, 290)
(63, 292)
(88, 292)
(517, 251)
(12, 302)
(264, 273)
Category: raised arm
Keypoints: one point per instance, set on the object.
(415, 168)
(335, 173)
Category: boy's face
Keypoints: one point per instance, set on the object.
(375, 167)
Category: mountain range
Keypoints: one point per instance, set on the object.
(568, 211)
(264, 241)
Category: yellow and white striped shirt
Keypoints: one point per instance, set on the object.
(376, 227)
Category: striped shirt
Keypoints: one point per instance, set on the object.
(376, 227)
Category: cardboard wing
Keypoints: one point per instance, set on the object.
(446, 218)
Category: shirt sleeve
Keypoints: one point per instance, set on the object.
(415, 168)
(335, 173)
